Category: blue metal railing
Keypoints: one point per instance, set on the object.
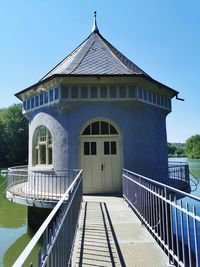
(178, 171)
(171, 215)
(58, 240)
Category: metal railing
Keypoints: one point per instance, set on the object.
(58, 239)
(171, 216)
(175, 171)
(44, 185)
(179, 171)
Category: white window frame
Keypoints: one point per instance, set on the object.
(38, 143)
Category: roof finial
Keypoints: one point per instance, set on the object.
(95, 28)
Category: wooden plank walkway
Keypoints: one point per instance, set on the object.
(110, 234)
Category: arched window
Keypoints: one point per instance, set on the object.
(100, 128)
(42, 146)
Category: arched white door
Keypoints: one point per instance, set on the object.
(100, 158)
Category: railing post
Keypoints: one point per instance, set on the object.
(140, 199)
(188, 234)
(167, 223)
(40, 258)
(196, 245)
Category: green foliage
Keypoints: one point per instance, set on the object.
(192, 147)
(180, 151)
(176, 150)
(2, 145)
(171, 149)
(13, 137)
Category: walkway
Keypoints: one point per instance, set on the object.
(110, 234)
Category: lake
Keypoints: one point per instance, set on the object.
(14, 233)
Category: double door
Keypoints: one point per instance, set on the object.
(100, 161)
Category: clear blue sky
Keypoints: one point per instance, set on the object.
(161, 37)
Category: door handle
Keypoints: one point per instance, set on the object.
(102, 166)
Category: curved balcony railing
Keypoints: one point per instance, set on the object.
(176, 175)
(39, 185)
(179, 171)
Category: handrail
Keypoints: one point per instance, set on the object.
(177, 162)
(165, 185)
(45, 224)
(17, 168)
(25, 168)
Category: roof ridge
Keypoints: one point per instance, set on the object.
(64, 59)
(113, 54)
(83, 57)
(116, 52)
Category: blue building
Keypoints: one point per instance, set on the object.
(98, 111)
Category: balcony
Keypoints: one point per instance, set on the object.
(39, 189)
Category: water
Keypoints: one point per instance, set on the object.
(195, 170)
(14, 233)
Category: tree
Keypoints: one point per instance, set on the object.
(171, 149)
(192, 147)
(176, 150)
(14, 133)
(180, 152)
(2, 146)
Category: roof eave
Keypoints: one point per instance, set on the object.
(174, 92)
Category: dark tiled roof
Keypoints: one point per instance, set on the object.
(95, 56)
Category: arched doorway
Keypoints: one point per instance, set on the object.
(100, 157)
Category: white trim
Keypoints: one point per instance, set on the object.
(96, 119)
(24, 106)
(36, 143)
(127, 97)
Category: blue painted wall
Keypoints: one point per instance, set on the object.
(142, 126)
